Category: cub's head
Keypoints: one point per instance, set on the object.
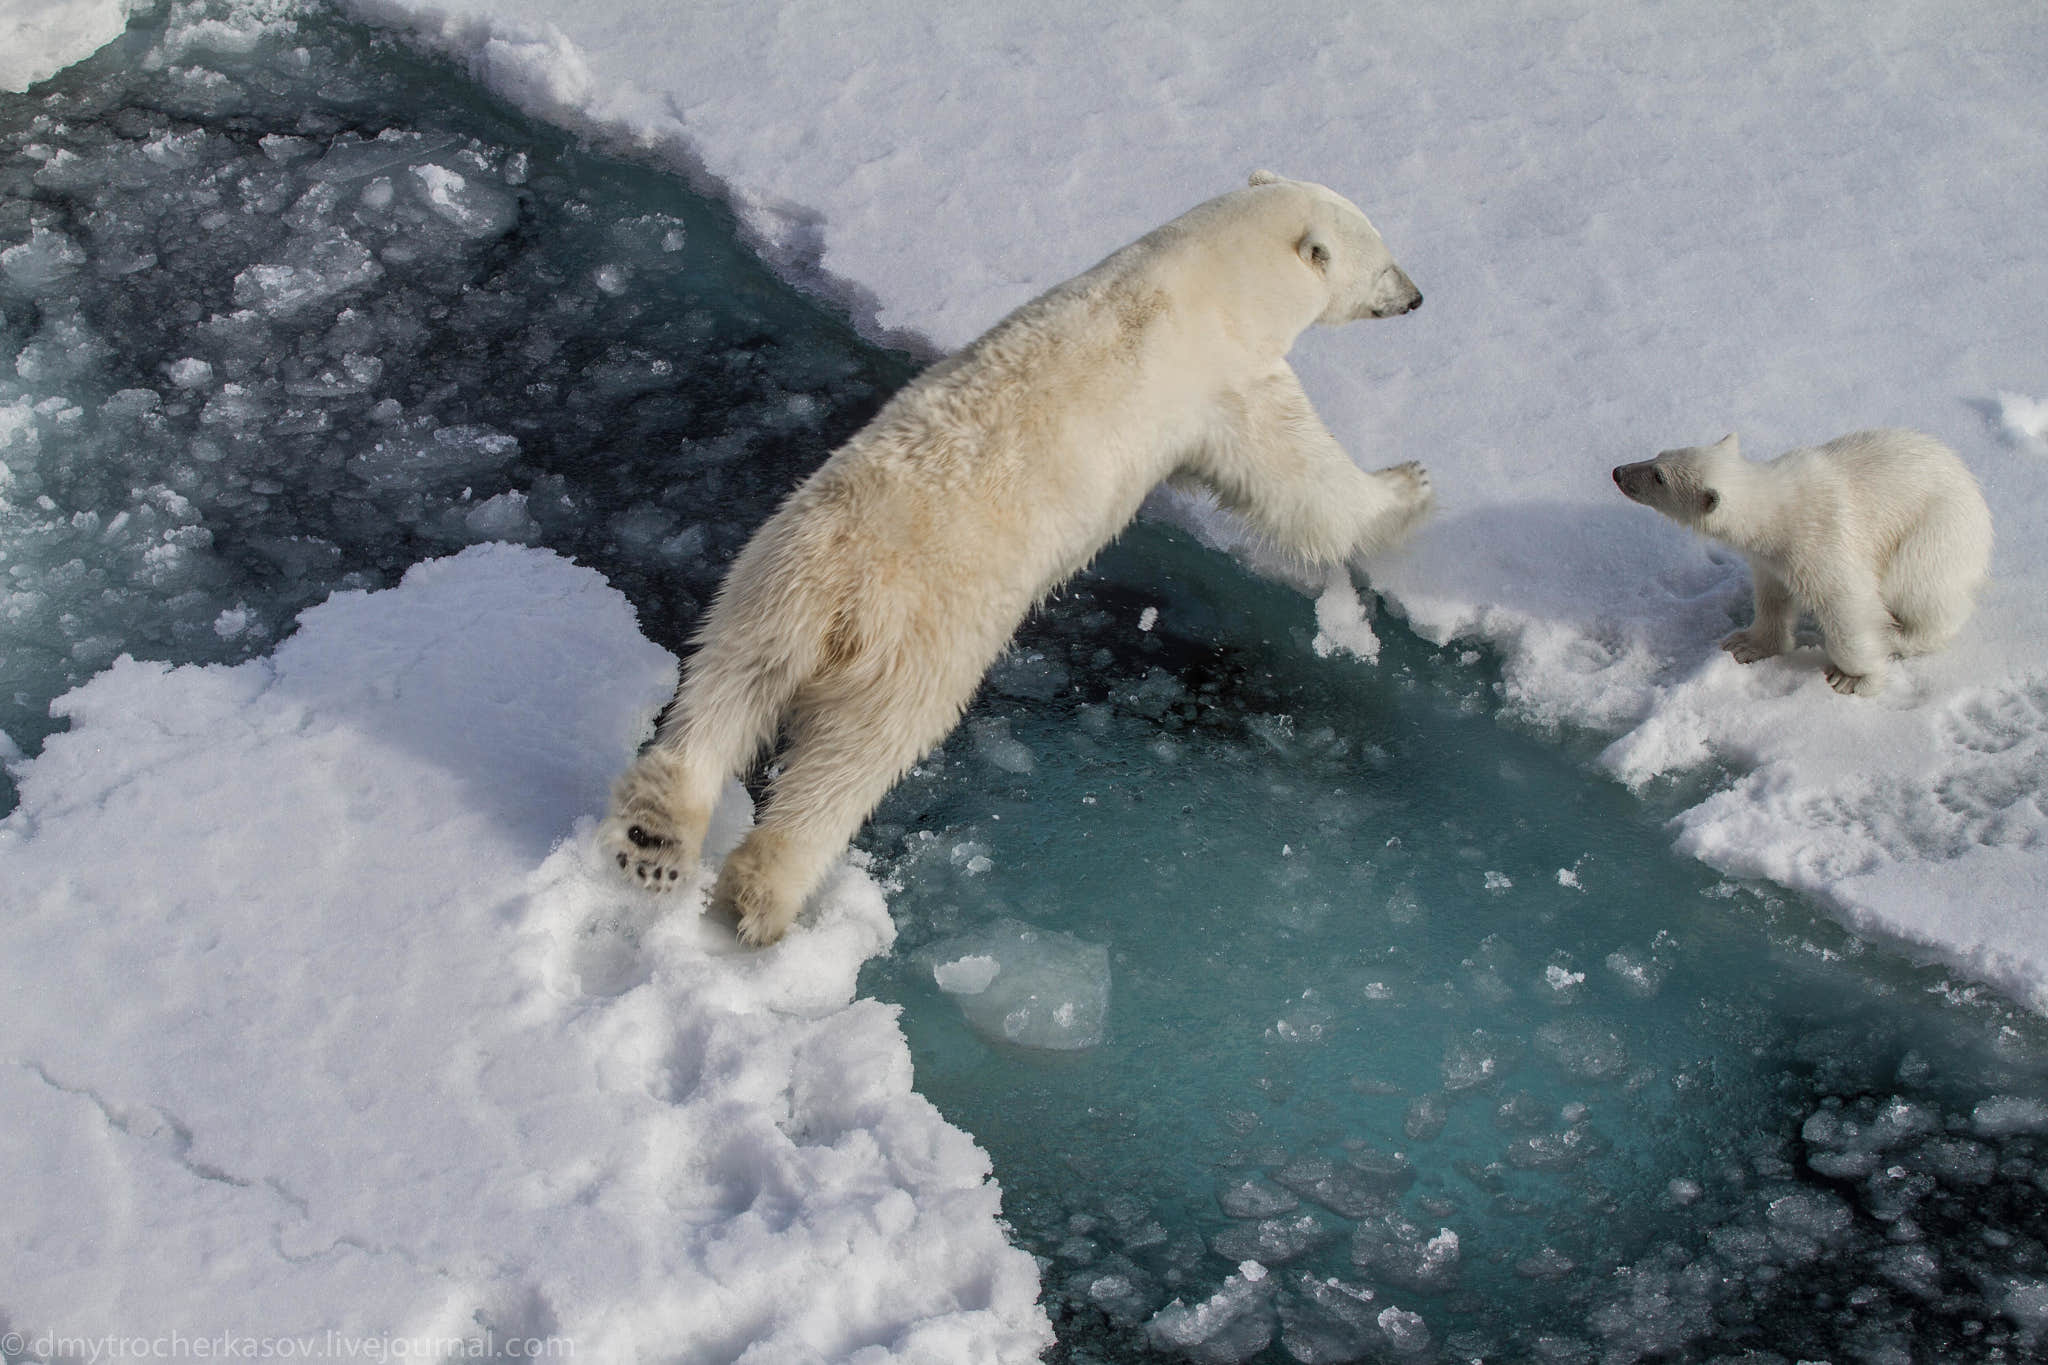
(1341, 247)
(1685, 485)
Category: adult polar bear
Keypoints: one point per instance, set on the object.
(863, 614)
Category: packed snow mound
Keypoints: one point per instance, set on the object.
(376, 1051)
(39, 38)
(1633, 234)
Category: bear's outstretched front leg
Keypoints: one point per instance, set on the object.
(1274, 462)
(1770, 633)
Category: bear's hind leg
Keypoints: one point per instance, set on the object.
(724, 713)
(1856, 633)
(848, 748)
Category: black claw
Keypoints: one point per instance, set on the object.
(643, 839)
(622, 860)
(673, 874)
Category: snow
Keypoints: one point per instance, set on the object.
(1635, 229)
(39, 38)
(329, 911)
(377, 1056)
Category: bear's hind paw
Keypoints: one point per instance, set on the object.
(1855, 684)
(1747, 647)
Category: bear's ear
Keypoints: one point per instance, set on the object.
(1709, 500)
(1729, 444)
(1314, 252)
(1263, 178)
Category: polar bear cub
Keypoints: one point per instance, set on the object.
(862, 615)
(1882, 535)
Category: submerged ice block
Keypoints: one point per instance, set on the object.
(1031, 987)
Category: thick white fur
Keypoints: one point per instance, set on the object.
(863, 614)
(1882, 535)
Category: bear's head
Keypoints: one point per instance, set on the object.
(1685, 485)
(1340, 246)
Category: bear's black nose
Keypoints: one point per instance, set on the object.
(1415, 305)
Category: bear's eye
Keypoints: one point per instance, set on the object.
(1658, 475)
(1318, 253)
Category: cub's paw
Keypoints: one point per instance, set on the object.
(647, 849)
(1855, 684)
(1410, 484)
(1747, 646)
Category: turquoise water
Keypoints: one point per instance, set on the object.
(1304, 994)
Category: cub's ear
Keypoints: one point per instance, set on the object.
(1315, 254)
(1263, 178)
(1729, 444)
(1709, 500)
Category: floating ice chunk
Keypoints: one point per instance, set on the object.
(1562, 980)
(476, 208)
(994, 742)
(1802, 1225)
(1583, 1048)
(1569, 879)
(442, 456)
(1326, 1320)
(1406, 1332)
(1405, 1254)
(1251, 1198)
(18, 430)
(1425, 1118)
(2001, 1116)
(1232, 1325)
(1045, 989)
(233, 621)
(1272, 1241)
(42, 264)
(1475, 1060)
(503, 517)
(392, 150)
(968, 975)
(1343, 622)
(1499, 881)
(2025, 420)
(317, 270)
(1148, 618)
(1640, 974)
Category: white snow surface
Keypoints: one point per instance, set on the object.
(1635, 227)
(39, 38)
(335, 1036)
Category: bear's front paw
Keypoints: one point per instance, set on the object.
(646, 849)
(1747, 646)
(1410, 484)
(1855, 684)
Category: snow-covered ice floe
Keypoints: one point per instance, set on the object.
(333, 1030)
(1634, 232)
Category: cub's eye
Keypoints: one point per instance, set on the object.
(1319, 253)
(1658, 475)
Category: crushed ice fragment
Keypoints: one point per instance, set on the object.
(1044, 989)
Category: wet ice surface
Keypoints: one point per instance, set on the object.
(1421, 1045)
(289, 311)
(1308, 1013)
